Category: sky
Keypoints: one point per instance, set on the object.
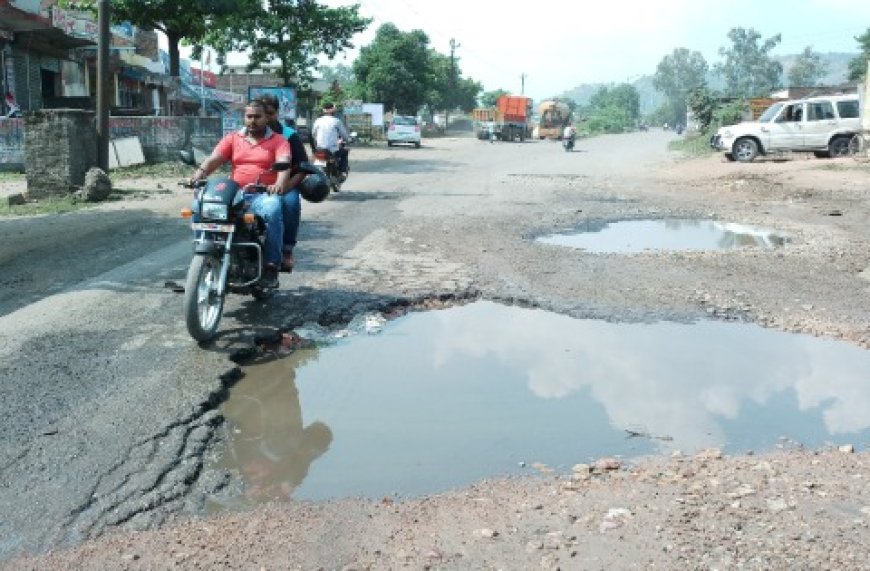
(545, 51)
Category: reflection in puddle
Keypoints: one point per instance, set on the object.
(640, 235)
(270, 445)
(444, 398)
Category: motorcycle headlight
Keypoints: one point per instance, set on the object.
(214, 211)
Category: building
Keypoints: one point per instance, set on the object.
(38, 61)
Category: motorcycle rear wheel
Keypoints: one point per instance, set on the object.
(202, 306)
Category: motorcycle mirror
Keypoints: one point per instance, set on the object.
(187, 157)
(281, 166)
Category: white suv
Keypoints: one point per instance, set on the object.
(822, 125)
(404, 129)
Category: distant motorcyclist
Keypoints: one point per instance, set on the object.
(569, 133)
(330, 133)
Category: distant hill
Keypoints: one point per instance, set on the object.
(650, 99)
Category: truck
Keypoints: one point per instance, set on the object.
(554, 117)
(508, 120)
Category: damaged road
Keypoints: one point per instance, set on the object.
(110, 410)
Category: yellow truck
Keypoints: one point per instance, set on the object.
(554, 117)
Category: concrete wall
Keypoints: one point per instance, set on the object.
(11, 145)
(161, 137)
(60, 145)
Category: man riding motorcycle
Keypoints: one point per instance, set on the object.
(252, 151)
(329, 133)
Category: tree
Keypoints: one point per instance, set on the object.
(748, 69)
(676, 76)
(188, 20)
(858, 66)
(807, 69)
(614, 109)
(292, 32)
(489, 98)
(341, 73)
(394, 69)
(447, 88)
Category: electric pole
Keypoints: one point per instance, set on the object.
(522, 84)
(451, 83)
(103, 41)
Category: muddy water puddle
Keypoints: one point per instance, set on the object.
(444, 398)
(632, 236)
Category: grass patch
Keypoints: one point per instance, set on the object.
(11, 176)
(694, 146)
(57, 205)
(69, 203)
(159, 170)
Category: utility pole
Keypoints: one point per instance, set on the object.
(522, 84)
(103, 41)
(451, 83)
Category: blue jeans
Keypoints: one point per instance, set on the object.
(291, 208)
(268, 206)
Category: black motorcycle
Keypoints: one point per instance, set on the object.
(328, 161)
(229, 245)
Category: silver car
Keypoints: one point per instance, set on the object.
(404, 129)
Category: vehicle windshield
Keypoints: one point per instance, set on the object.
(770, 113)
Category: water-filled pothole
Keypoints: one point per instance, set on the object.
(630, 236)
(444, 398)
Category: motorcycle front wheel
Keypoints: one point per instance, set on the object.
(203, 307)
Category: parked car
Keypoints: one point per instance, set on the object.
(404, 129)
(822, 125)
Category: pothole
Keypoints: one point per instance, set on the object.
(439, 399)
(631, 236)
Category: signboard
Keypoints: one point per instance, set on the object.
(286, 99)
(757, 106)
(376, 110)
(208, 78)
(76, 24)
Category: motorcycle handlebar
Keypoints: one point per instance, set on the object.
(192, 184)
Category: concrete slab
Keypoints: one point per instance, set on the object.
(129, 151)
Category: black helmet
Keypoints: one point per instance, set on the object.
(315, 187)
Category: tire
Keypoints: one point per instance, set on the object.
(745, 150)
(416, 145)
(261, 294)
(730, 157)
(839, 147)
(202, 307)
(820, 154)
(389, 143)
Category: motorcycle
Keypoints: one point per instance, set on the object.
(328, 161)
(568, 143)
(229, 246)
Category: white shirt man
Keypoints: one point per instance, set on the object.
(327, 130)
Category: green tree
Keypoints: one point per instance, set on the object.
(807, 69)
(341, 73)
(180, 20)
(614, 109)
(858, 66)
(676, 76)
(447, 88)
(748, 69)
(394, 69)
(292, 32)
(489, 98)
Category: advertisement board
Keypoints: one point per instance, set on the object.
(286, 99)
